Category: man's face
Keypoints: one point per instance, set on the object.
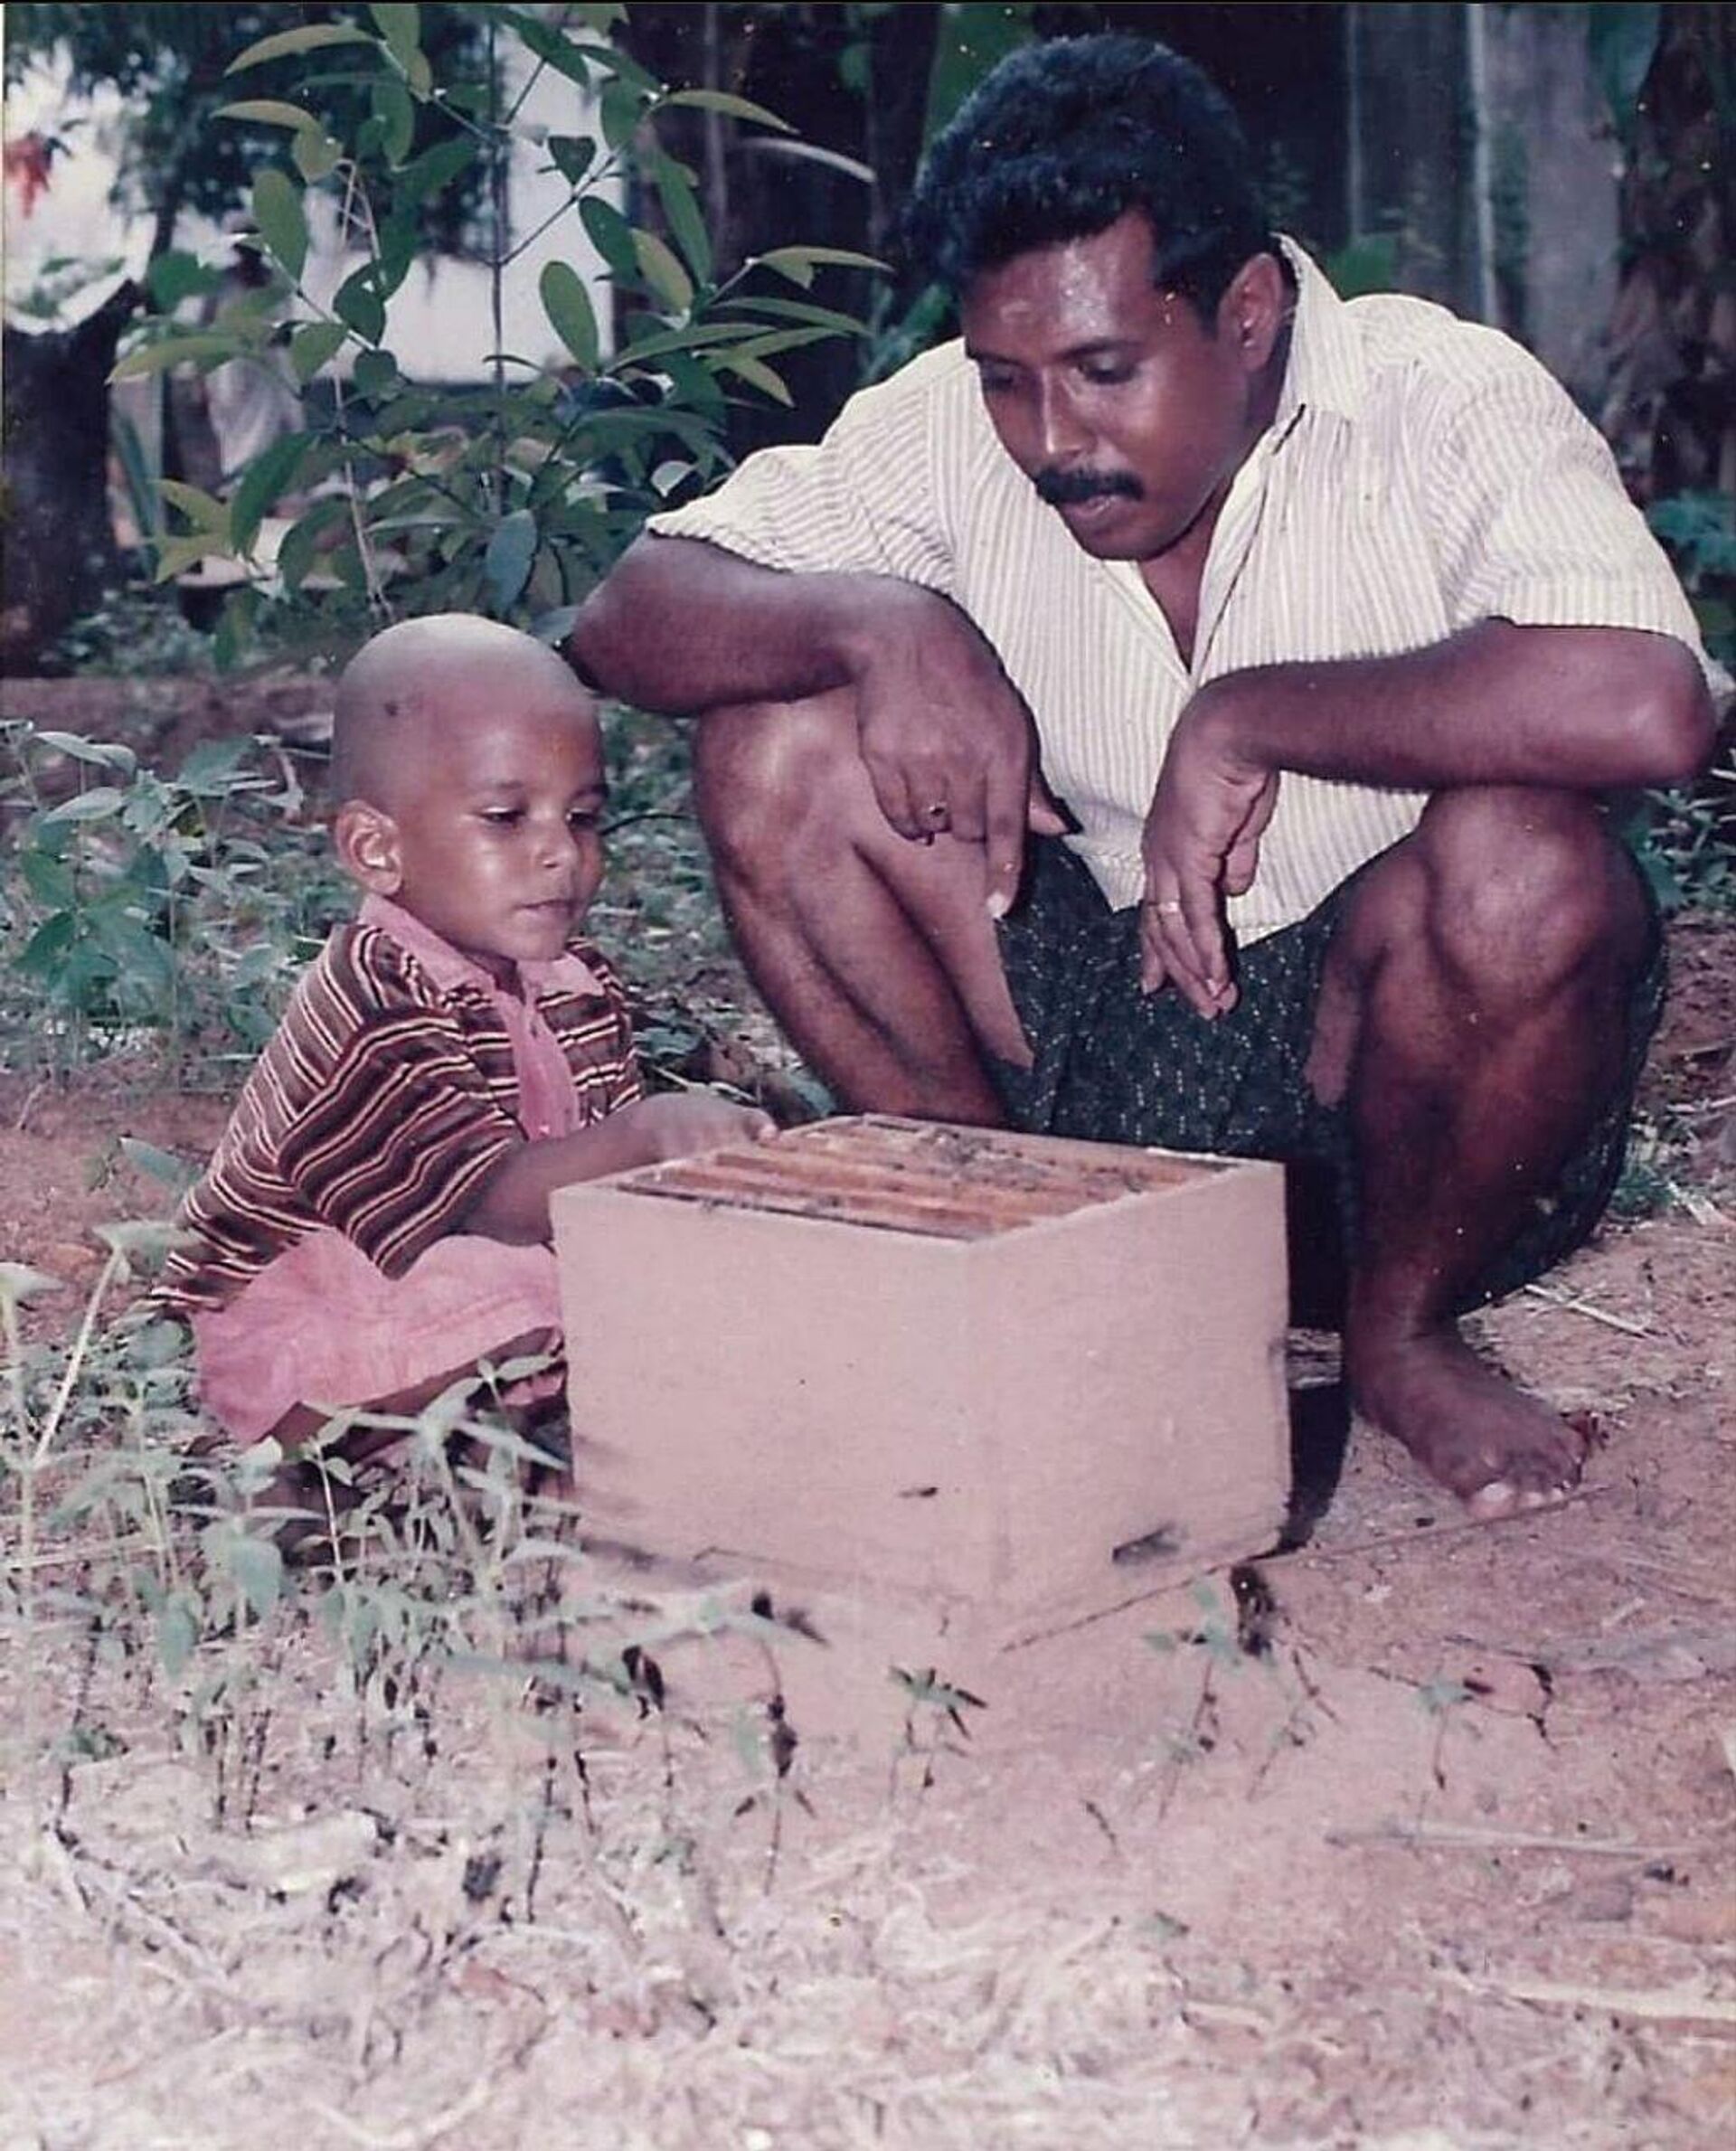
(1126, 411)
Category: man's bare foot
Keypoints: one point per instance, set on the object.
(1498, 1449)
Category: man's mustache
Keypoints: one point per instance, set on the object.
(1069, 489)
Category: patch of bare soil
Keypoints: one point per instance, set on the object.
(163, 720)
(1426, 1845)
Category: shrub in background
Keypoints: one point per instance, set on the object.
(512, 496)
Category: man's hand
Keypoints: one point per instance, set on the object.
(946, 738)
(1201, 844)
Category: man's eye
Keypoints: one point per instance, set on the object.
(994, 383)
(1106, 373)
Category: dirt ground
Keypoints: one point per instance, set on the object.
(1449, 1864)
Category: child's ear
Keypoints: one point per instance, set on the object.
(366, 838)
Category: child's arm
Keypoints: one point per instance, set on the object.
(512, 1201)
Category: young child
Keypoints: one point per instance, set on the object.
(375, 1219)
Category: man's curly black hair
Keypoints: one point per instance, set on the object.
(1064, 138)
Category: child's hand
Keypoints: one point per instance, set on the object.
(676, 1123)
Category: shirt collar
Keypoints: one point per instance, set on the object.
(1326, 369)
(450, 968)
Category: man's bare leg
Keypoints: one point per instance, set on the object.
(1473, 1006)
(877, 954)
(1470, 1007)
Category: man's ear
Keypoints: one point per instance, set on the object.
(1253, 310)
(368, 850)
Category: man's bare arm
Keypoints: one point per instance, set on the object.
(1584, 709)
(683, 626)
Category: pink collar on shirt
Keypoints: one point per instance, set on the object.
(448, 966)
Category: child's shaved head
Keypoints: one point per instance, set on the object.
(406, 687)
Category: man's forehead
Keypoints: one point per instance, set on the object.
(1094, 290)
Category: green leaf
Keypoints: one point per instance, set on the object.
(622, 110)
(257, 1564)
(571, 316)
(376, 372)
(268, 111)
(560, 53)
(315, 154)
(663, 272)
(357, 302)
(177, 1636)
(282, 44)
(176, 1173)
(49, 879)
(506, 564)
(757, 373)
(726, 101)
(798, 263)
(201, 509)
(397, 117)
(101, 754)
(278, 213)
(46, 951)
(681, 206)
(435, 168)
(265, 476)
(400, 22)
(209, 771)
(19, 1282)
(101, 802)
(174, 556)
(171, 351)
(612, 236)
(314, 345)
(572, 155)
(176, 276)
(300, 548)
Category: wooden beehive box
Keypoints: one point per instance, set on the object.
(1001, 1382)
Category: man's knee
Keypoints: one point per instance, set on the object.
(1527, 888)
(764, 773)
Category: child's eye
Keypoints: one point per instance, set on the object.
(585, 818)
(502, 817)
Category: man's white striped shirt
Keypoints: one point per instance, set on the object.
(1421, 473)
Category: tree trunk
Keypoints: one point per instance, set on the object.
(1671, 409)
(57, 553)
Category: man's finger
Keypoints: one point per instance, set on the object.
(1153, 965)
(1041, 815)
(1170, 939)
(1241, 863)
(1004, 798)
(897, 800)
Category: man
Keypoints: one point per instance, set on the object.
(1299, 638)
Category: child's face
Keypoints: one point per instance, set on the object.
(497, 839)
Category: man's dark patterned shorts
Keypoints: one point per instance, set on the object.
(1116, 1065)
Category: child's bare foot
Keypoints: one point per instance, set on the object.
(1498, 1449)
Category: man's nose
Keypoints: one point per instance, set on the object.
(1061, 436)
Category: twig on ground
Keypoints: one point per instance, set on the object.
(1476, 1837)
(1569, 1305)
(1438, 1531)
(413, 2135)
(1656, 2004)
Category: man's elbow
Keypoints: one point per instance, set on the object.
(599, 647)
(1675, 725)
